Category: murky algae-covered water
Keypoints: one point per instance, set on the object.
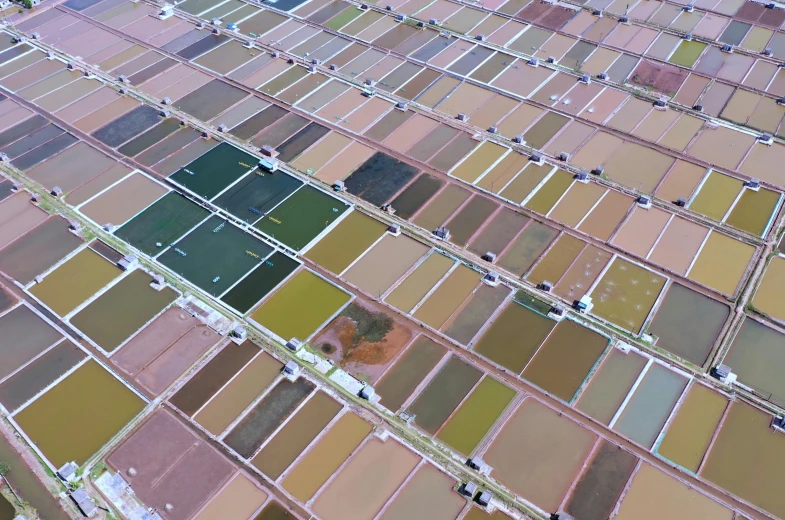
(267, 415)
(596, 493)
(563, 362)
(239, 393)
(296, 435)
(321, 461)
(75, 281)
(478, 413)
(674, 323)
(691, 431)
(114, 316)
(444, 393)
(402, 379)
(298, 308)
(514, 337)
(746, 458)
(49, 421)
(274, 511)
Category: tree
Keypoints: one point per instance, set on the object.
(4, 469)
(27, 3)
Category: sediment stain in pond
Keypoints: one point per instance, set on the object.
(74, 281)
(329, 452)
(674, 323)
(444, 393)
(566, 359)
(213, 376)
(296, 435)
(651, 404)
(610, 385)
(350, 238)
(49, 420)
(514, 337)
(408, 372)
(267, 415)
(602, 484)
(300, 307)
(626, 293)
(475, 417)
(238, 394)
(691, 431)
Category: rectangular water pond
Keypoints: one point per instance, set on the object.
(215, 255)
(239, 393)
(296, 435)
(259, 282)
(256, 195)
(74, 281)
(565, 359)
(211, 173)
(347, 241)
(213, 376)
(755, 355)
(626, 293)
(475, 417)
(674, 323)
(49, 423)
(117, 314)
(302, 217)
(35, 377)
(428, 494)
(25, 336)
(38, 250)
(162, 224)
(300, 307)
(596, 493)
(321, 461)
(692, 429)
(416, 195)
(444, 393)
(611, 384)
(267, 415)
(379, 178)
(649, 407)
(514, 337)
(409, 371)
(465, 325)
